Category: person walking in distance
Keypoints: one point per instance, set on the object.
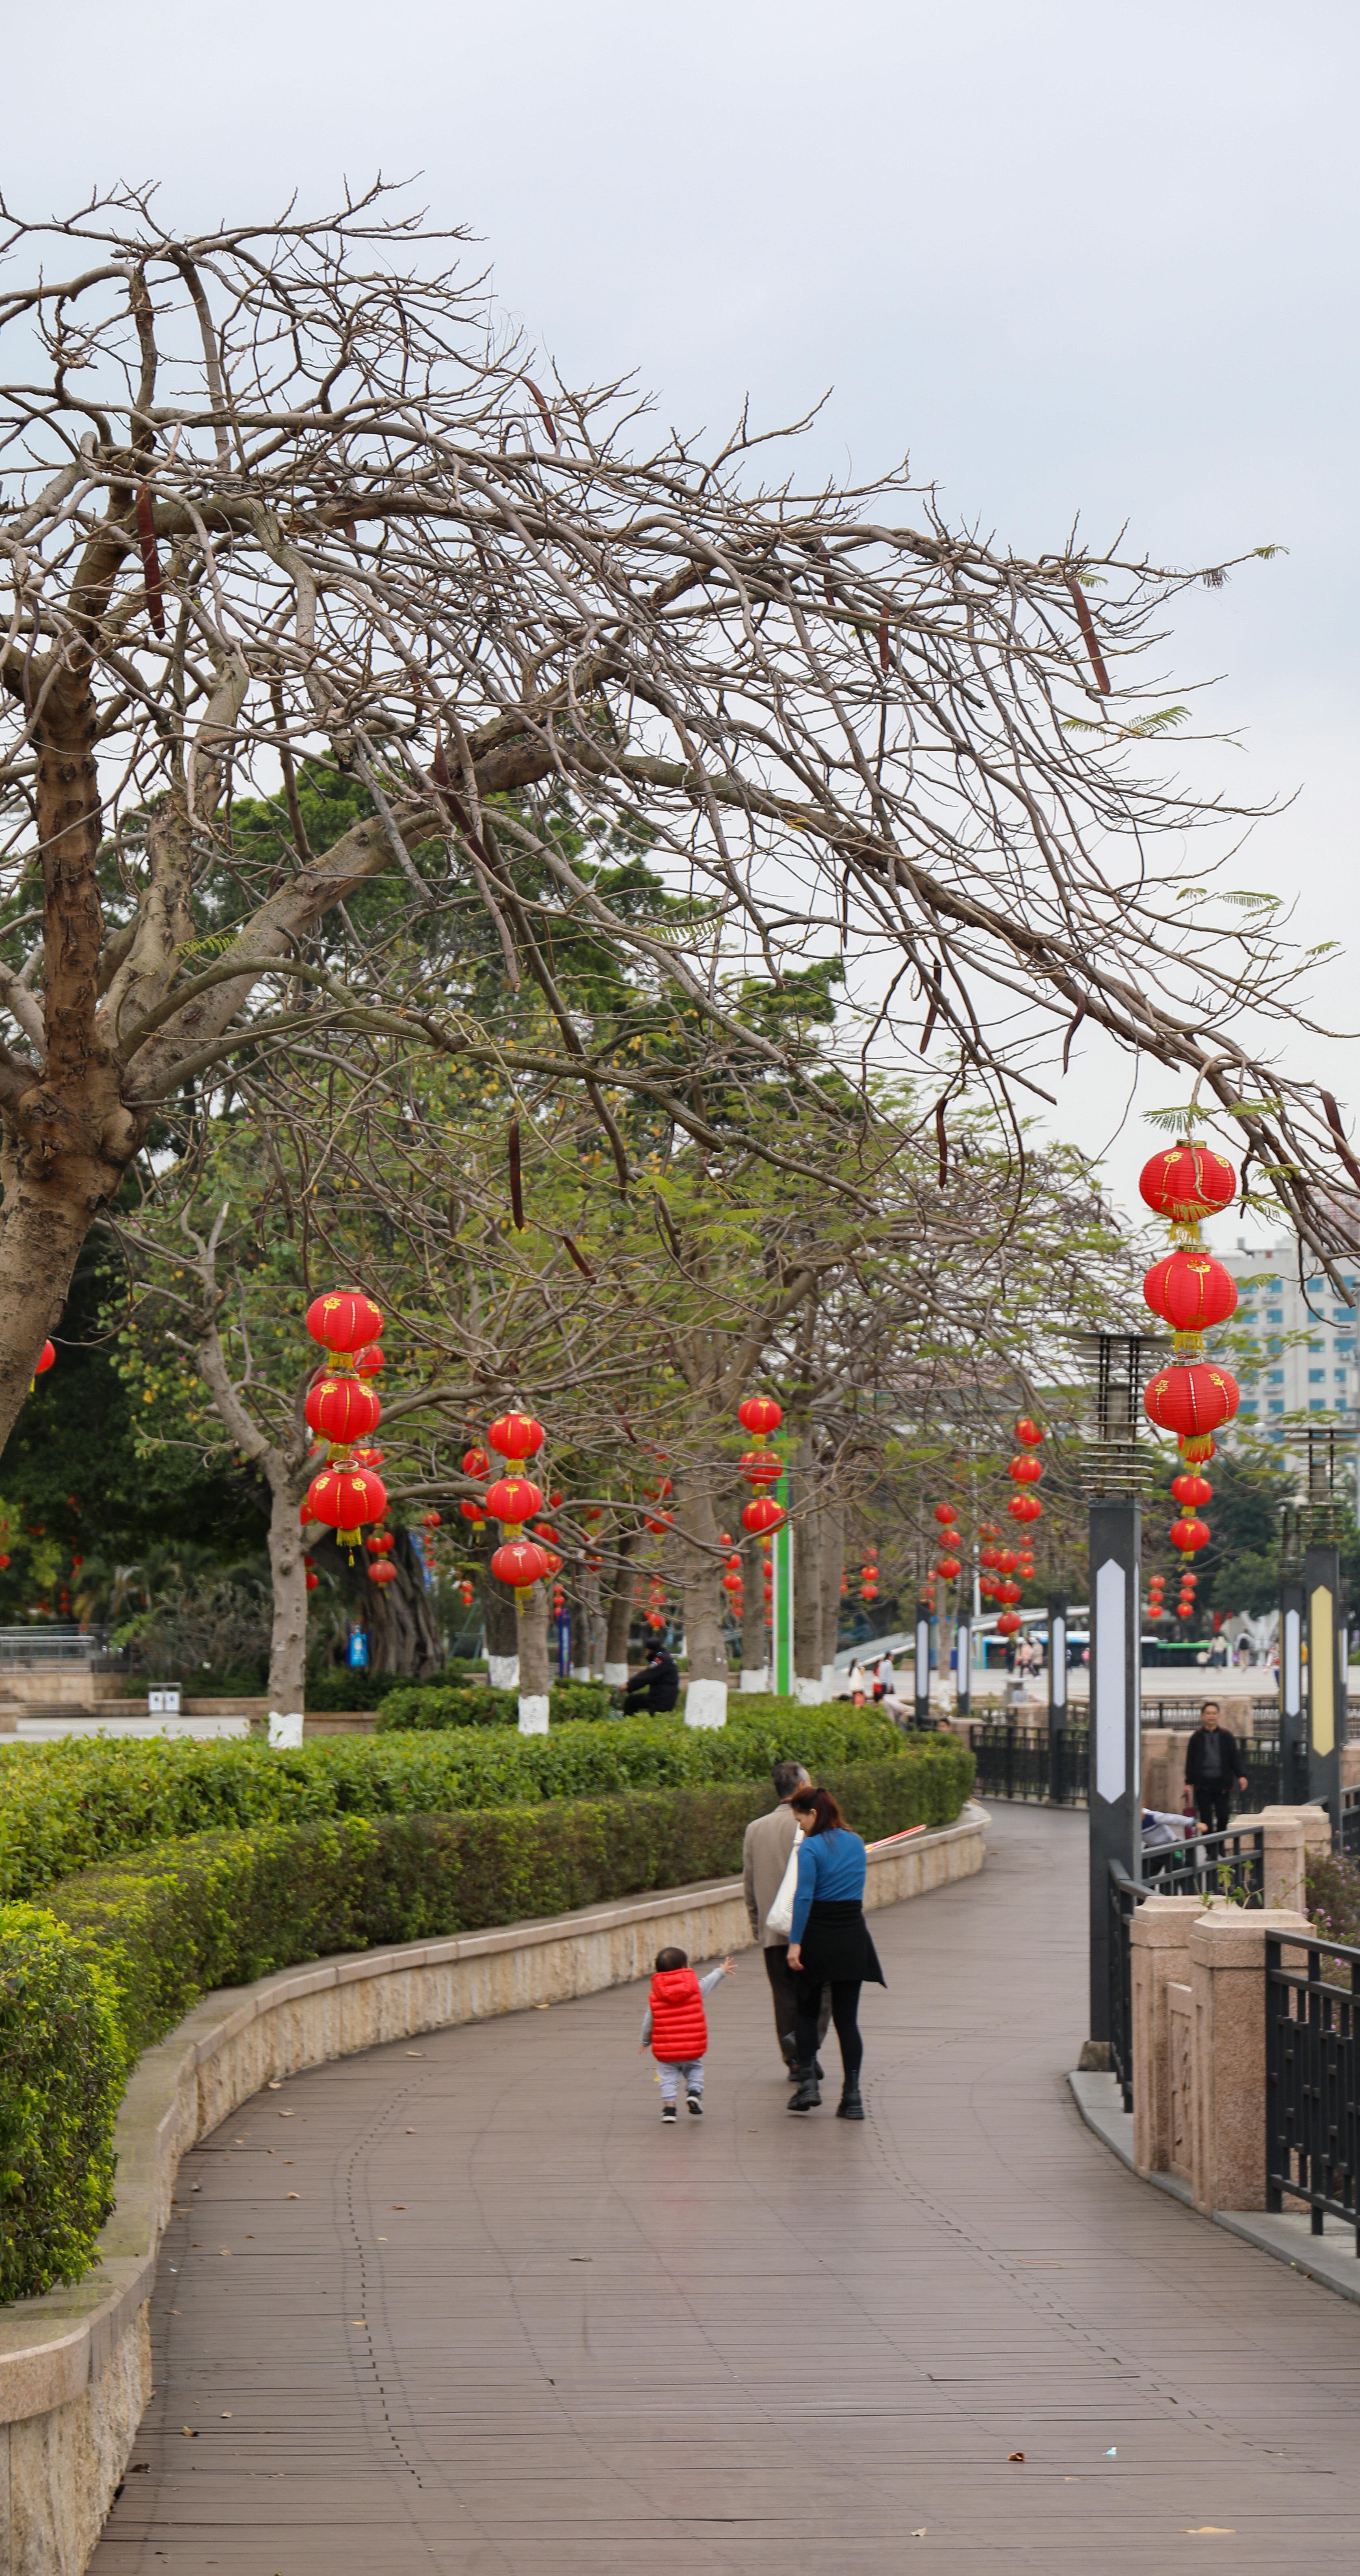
(677, 2028)
(830, 1945)
(764, 1859)
(1212, 1764)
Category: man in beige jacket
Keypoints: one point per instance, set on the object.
(764, 1859)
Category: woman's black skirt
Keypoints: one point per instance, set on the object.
(836, 1947)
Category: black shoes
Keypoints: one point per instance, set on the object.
(696, 2105)
(850, 2106)
(809, 2094)
(668, 2112)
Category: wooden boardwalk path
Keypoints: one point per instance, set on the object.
(511, 2326)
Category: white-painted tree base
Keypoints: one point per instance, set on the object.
(808, 1693)
(503, 1671)
(828, 1680)
(616, 1676)
(757, 1681)
(533, 1712)
(706, 1704)
(286, 1729)
(582, 1673)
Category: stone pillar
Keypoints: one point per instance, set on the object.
(1227, 1978)
(1292, 1835)
(1159, 1766)
(1159, 1938)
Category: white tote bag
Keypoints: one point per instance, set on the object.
(780, 1917)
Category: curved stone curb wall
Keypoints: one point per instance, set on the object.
(75, 2366)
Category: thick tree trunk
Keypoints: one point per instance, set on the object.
(288, 1577)
(833, 1567)
(807, 1575)
(499, 1621)
(706, 1695)
(620, 1611)
(754, 1658)
(534, 1676)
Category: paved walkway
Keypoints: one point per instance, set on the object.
(512, 2327)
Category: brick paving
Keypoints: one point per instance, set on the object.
(511, 2326)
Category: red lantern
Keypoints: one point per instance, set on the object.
(1191, 1398)
(1027, 1432)
(1190, 1291)
(1026, 1471)
(382, 1543)
(382, 1572)
(514, 1500)
(731, 1583)
(516, 1435)
(1187, 1181)
(948, 1568)
(760, 1415)
(1192, 1490)
(473, 1512)
(344, 1498)
(988, 1529)
(1008, 1623)
(762, 1466)
(431, 1521)
(1189, 1535)
(343, 1320)
(659, 1523)
(312, 1579)
(1007, 1559)
(343, 1409)
(1025, 1507)
(465, 1594)
(945, 1513)
(521, 1563)
(369, 1362)
(476, 1462)
(44, 1360)
(762, 1515)
(1008, 1591)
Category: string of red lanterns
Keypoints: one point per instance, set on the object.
(342, 1408)
(1192, 1292)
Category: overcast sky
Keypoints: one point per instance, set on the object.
(1075, 259)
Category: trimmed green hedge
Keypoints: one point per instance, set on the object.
(121, 1952)
(64, 1806)
(433, 1706)
(64, 2054)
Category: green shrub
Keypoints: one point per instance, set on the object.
(348, 1688)
(67, 1805)
(432, 1705)
(63, 2057)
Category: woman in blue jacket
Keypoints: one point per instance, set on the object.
(829, 1945)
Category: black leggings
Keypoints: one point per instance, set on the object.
(845, 2015)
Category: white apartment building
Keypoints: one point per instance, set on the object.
(1317, 1373)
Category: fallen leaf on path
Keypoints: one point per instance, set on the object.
(1209, 2530)
(189, 2432)
(398, 2204)
(276, 2083)
(226, 2415)
(1015, 2455)
(919, 2535)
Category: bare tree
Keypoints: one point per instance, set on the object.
(284, 494)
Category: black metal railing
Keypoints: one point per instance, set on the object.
(1312, 2110)
(1019, 1762)
(1230, 1865)
(1348, 1837)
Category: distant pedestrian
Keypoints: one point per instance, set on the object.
(830, 1945)
(676, 2025)
(1212, 1764)
(764, 1859)
(656, 1688)
(886, 1675)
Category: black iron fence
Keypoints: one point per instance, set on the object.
(1229, 1865)
(1312, 2109)
(1024, 1762)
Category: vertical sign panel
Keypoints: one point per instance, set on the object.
(1109, 1682)
(963, 1648)
(1114, 1798)
(1293, 1736)
(1326, 1676)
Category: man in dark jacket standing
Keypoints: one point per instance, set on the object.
(1212, 1764)
(656, 1688)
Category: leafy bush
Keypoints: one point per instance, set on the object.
(64, 1806)
(1333, 1898)
(432, 1705)
(63, 2057)
(345, 1688)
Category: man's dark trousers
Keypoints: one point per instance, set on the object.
(1212, 1802)
(784, 1989)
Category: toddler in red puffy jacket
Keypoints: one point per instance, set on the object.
(674, 2022)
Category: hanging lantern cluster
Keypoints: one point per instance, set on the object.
(512, 1499)
(1156, 1602)
(1192, 1292)
(1025, 1471)
(868, 1576)
(761, 1465)
(1186, 1603)
(655, 1613)
(658, 1521)
(342, 1408)
(949, 1565)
